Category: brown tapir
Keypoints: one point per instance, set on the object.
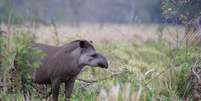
(63, 64)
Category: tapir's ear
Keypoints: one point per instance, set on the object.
(82, 44)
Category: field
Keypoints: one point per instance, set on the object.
(146, 62)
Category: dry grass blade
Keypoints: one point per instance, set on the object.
(194, 67)
(98, 80)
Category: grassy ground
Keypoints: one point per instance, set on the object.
(144, 63)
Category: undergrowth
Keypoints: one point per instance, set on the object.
(152, 71)
(18, 60)
(147, 72)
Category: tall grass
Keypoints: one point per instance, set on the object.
(152, 71)
(137, 72)
(18, 60)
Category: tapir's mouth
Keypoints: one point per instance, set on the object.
(103, 65)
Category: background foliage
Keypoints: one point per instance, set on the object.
(155, 69)
(181, 10)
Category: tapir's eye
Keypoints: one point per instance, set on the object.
(94, 55)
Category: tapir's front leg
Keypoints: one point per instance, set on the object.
(55, 89)
(69, 84)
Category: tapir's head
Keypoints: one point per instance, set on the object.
(88, 55)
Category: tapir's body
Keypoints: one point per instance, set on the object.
(63, 64)
(54, 65)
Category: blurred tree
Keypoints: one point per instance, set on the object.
(8, 14)
(145, 10)
(185, 11)
(75, 6)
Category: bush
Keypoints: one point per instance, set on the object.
(18, 62)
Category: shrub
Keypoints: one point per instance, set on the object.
(18, 62)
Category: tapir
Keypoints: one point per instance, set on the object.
(63, 64)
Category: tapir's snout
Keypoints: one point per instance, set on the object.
(103, 63)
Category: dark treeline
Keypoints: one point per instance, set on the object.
(76, 11)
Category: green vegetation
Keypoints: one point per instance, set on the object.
(150, 71)
(15, 68)
(146, 72)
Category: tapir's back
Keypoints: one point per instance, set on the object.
(41, 74)
(48, 50)
(56, 61)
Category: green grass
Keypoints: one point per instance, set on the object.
(146, 72)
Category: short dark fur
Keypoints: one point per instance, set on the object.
(55, 67)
